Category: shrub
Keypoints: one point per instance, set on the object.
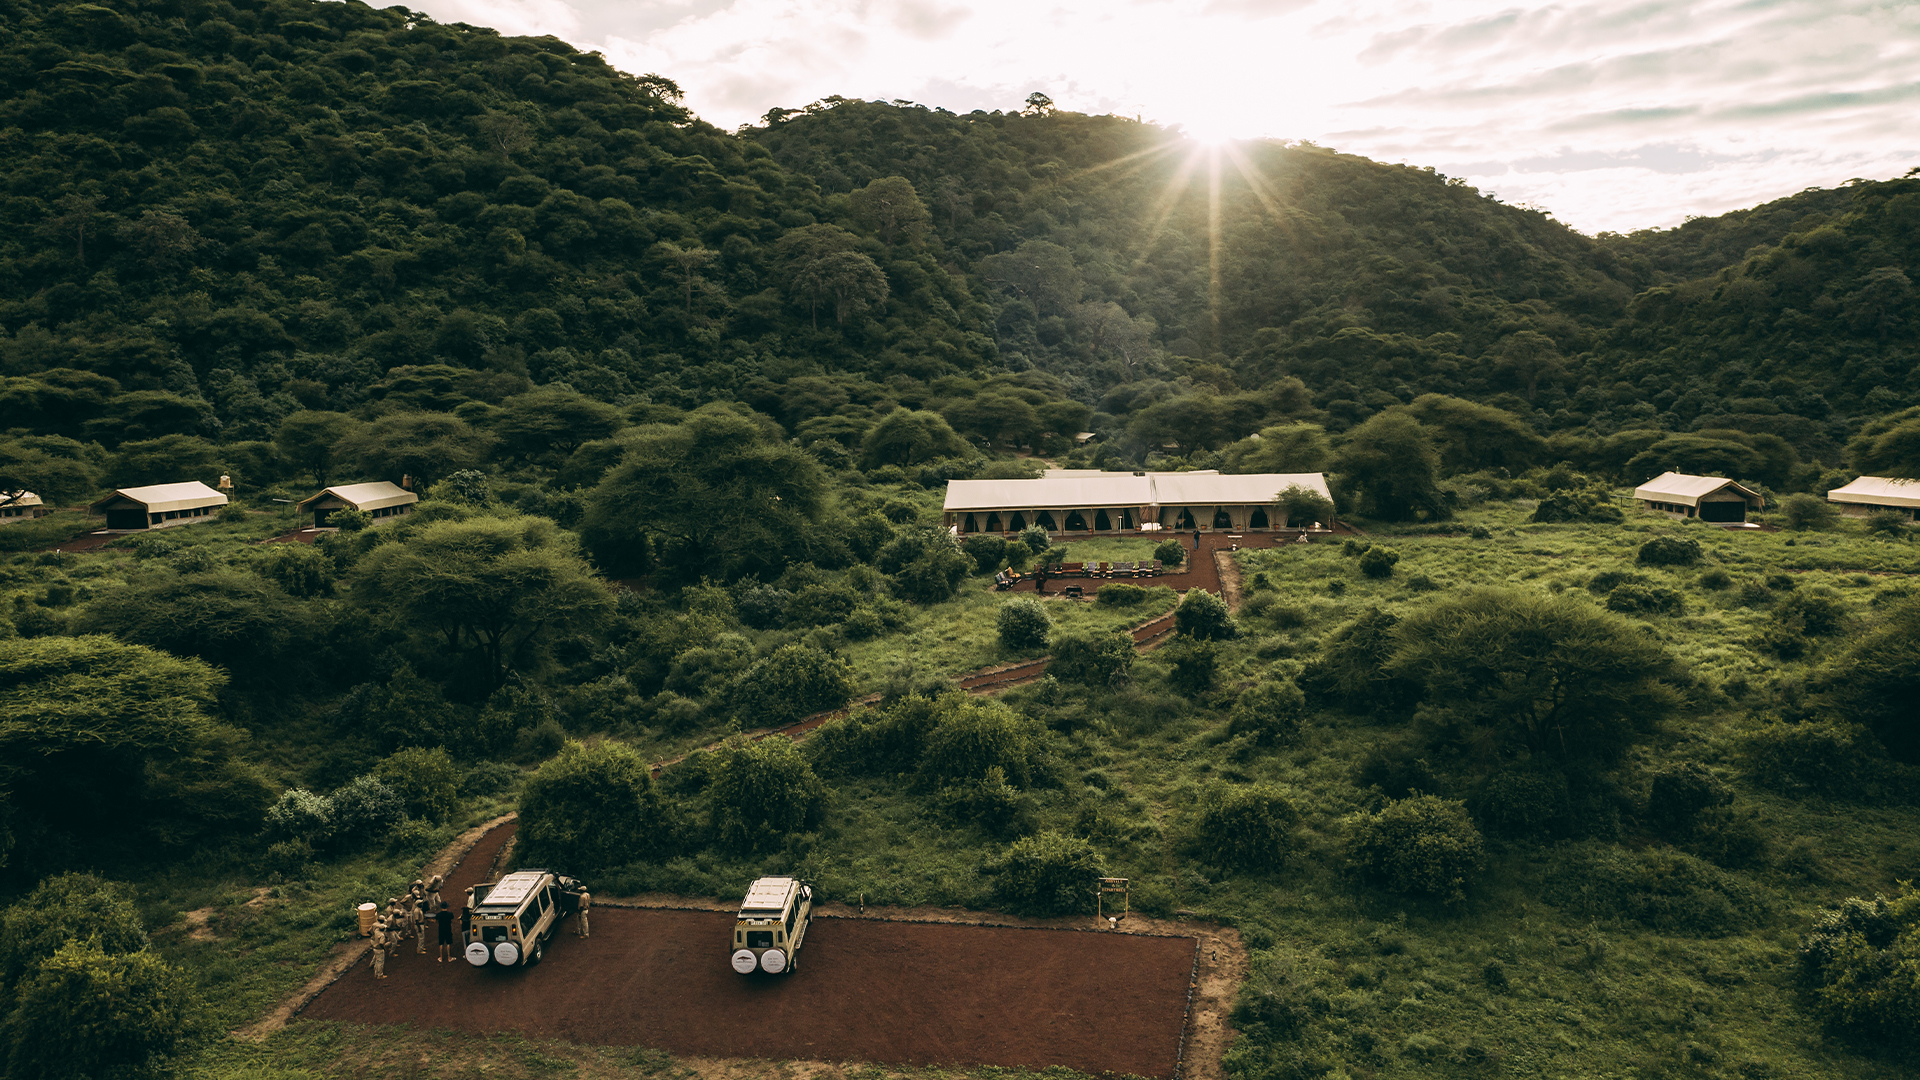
(1097, 660)
(1635, 599)
(1268, 713)
(762, 607)
(1863, 960)
(87, 1012)
(1659, 887)
(350, 521)
(1715, 580)
(301, 815)
(989, 552)
(301, 570)
(590, 808)
(1246, 827)
(760, 792)
(1024, 624)
(1204, 615)
(1303, 504)
(1829, 756)
(925, 562)
(1669, 551)
(1523, 803)
(364, 809)
(1048, 874)
(1680, 792)
(1036, 538)
(427, 782)
(1480, 532)
(1802, 512)
(1120, 594)
(1425, 845)
(1378, 562)
(1194, 665)
(1591, 505)
(1815, 613)
(798, 680)
(970, 738)
(992, 804)
(1875, 680)
(1889, 524)
(63, 908)
(1171, 553)
(488, 778)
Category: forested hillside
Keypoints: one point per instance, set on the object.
(1507, 778)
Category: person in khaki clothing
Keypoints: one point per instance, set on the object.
(585, 904)
(380, 949)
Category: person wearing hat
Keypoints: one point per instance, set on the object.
(585, 903)
(380, 949)
(434, 901)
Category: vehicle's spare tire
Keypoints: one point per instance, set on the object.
(478, 954)
(773, 961)
(507, 953)
(743, 961)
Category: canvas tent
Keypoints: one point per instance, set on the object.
(1713, 499)
(1080, 500)
(159, 506)
(20, 506)
(1871, 493)
(383, 500)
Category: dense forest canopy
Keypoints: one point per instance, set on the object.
(226, 214)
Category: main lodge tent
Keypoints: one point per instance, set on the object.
(159, 506)
(1081, 500)
(1871, 493)
(1712, 499)
(20, 506)
(385, 501)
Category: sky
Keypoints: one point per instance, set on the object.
(1611, 115)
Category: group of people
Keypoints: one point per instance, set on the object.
(419, 911)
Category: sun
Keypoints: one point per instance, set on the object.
(1211, 132)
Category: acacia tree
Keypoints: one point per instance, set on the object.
(493, 588)
(1392, 464)
(891, 207)
(713, 496)
(306, 439)
(1506, 670)
(424, 445)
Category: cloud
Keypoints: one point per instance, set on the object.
(531, 18)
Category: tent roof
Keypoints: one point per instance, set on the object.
(1878, 491)
(1687, 489)
(20, 498)
(165, 498)
(372, 496)
(1079, 488)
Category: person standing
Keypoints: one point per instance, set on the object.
(586, 903)
(443, 920)
(1196, 539)
(380, 949)
(422, 926)
(434, 899)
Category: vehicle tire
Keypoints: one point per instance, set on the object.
(793, 963)
(539, 951)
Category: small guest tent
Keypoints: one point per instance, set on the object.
(159, 506)
(385, 501)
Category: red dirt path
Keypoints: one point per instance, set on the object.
(866, 990)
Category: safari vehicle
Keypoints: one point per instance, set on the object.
(513, 918)
(772, 925)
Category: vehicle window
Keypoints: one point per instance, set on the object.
(529, 917)
(759, 939)
(792, 914)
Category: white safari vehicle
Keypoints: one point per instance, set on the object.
(772, 925)
(514, 917)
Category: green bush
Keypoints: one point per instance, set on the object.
(1423, 845)
(925, 562)
(1024, 624)
(1048, 874)
(364, 809)
(1378, 562)
(1803, 512)
(350, 521)
(1863, 961)
(1204, 616)
(971, 737)
(1631, 598)
(1830, 756)
(820, 605)
(878, 742)
(589, 809)
(1523, 804)
(796, 681)
(1669, 551)
(1875, 682)
(1120, 594)
(1715, 580)
(990, 803)
(1244, 827)
(1660, 888)
(989, 552)
(1171, 554)
(301, 570)
(88, 1013)
(1269, 713)
(63, 908)
(1195, 664)
(1036, 538)
(1680, 792)
(1096, 660)
(760, 792)
(427, 782)
(1888, 524)
(1813, 612)
(303, 816)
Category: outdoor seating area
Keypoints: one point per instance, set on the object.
(1008, 578)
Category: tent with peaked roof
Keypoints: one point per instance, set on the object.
(384, 500)
(1713, 499)
(1871, 493)
(159, 506)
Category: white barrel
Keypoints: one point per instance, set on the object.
(369, 914)
(743, 961)
(773, 961)
(507, 953)
(478, 954)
